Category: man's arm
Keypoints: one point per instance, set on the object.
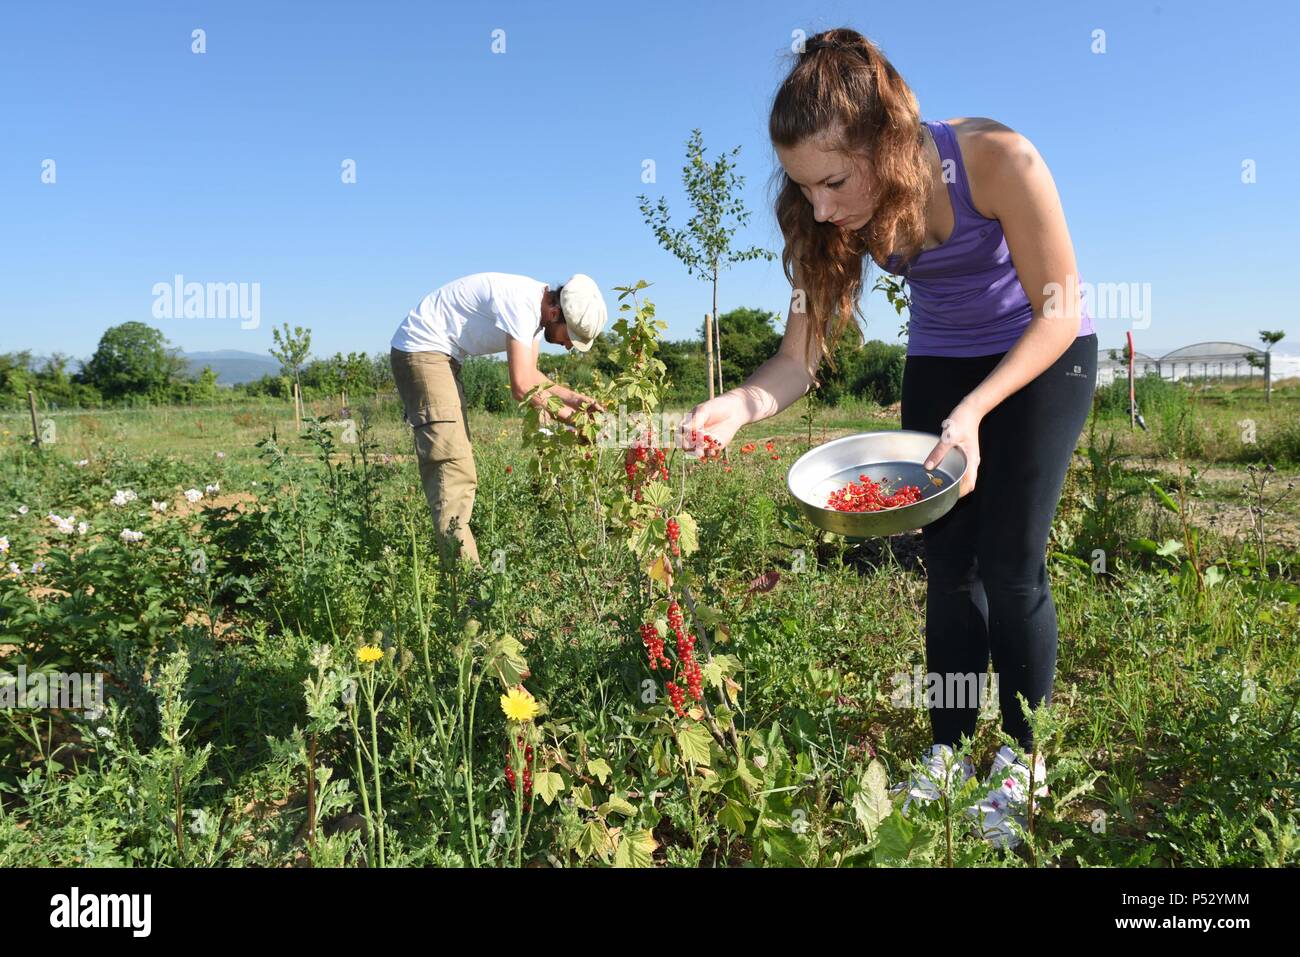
(521, 360)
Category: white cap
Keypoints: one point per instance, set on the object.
(584, 310)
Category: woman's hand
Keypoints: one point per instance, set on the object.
(960, 430)
(720, 418)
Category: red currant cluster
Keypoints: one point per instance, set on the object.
(710, 449)
(871, 497)
(528, 768)
(690, 667)
(654, 644)
(674, 533)
(641, 462)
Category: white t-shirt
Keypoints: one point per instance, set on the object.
(475, 315)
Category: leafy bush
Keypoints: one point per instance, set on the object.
(487, 384)
(872, 370)
(1158, 399)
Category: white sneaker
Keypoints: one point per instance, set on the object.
(939, 768)
(1002, 815)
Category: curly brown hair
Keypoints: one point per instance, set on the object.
(842, 87)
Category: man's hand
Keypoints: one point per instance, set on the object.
(585, 403)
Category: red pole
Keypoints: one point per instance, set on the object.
(1132, 403)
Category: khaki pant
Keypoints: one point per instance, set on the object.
(434, 403)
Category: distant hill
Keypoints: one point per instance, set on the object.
(231, 365)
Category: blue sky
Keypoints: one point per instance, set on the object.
(225, 166)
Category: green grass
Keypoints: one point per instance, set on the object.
(1172, 741)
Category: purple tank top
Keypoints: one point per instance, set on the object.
(966, 297)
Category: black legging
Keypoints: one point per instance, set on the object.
(986, 559)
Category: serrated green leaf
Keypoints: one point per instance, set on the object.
(617, 804)
(600, 769)
(657, 494)
(594, 840)
(635, 849)
(735, 817)
(690, 538)
(871, 804)
(547, 785)
(694, 742)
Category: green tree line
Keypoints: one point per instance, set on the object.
(134, 365)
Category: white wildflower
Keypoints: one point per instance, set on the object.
(64, 525)
(22, 509)
(15, 570)
(4, 544)
(83, 528)
(158, 506)
(214, 487)
(193, 494)
(130, 536)
(123, 496)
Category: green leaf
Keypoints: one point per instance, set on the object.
(690, 538)
(735, 817)
(639, 542)
(617, 804)
(657, 494)
(896, 837)
(871, 804)
(506, 659)
(594, 840)
(547, 785)
(600, 769)
(1170, 546)
(785, 848)
(660, 758)
(1162, 496)
(636, 849)
(694, 742)
(746, 774)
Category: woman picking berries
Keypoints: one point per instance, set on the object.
(999, 363)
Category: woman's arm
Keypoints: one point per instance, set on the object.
(775, 384)
(1021, 194)
(784, 378)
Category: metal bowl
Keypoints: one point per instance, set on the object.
(893, 457)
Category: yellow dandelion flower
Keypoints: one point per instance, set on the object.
(369, 654)
(518, 704)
